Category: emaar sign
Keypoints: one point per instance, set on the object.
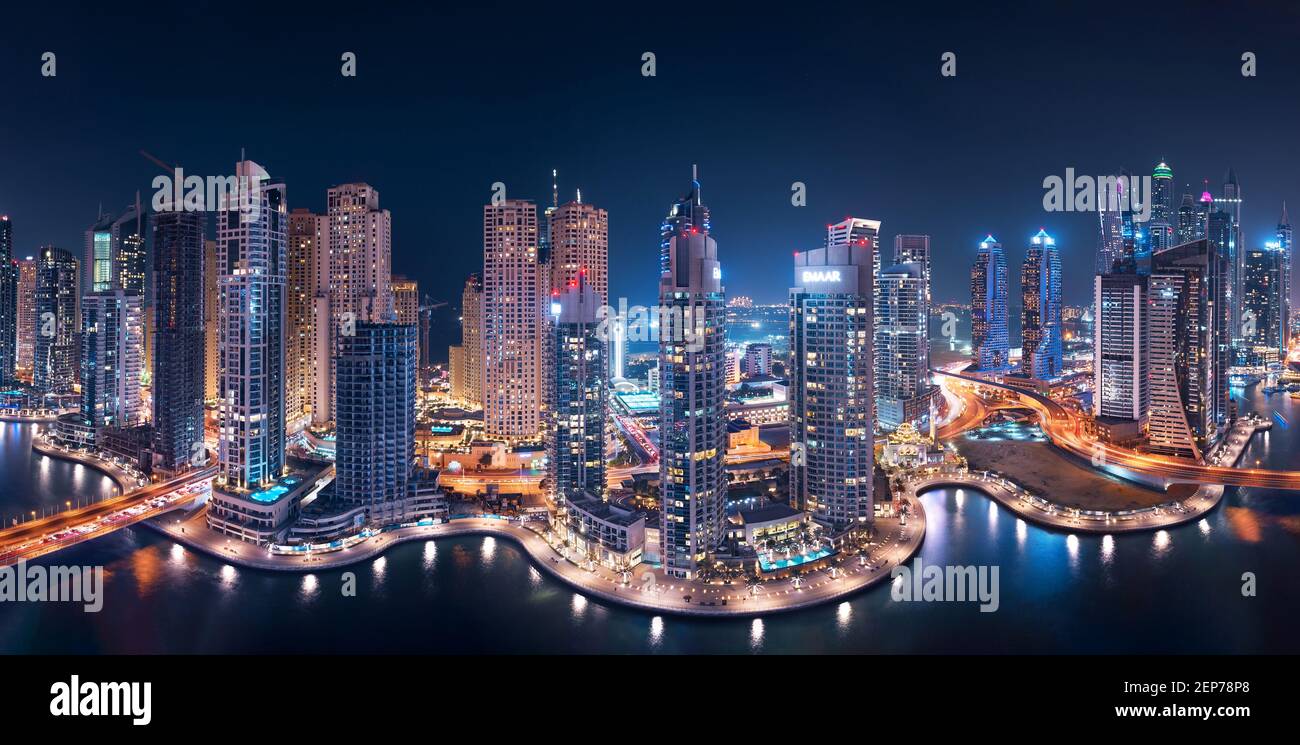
(811, 275)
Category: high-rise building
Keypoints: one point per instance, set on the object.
(1191, 221)
(252, 262)
(301, 362)
(211, 315)
(112, 355)
(1284, 243)
(579, 244)
(456, 384)
(8, 303)
(831, 388)
(55, 356)
(512, 322)
(375, 416)
(1110, 241)
(1160, 228)
(1230, 203)
(902, 383)
(1120, 352)
(576, 391)
(692, 416)
(1262, 319)
(988, 292)
(179, 343)
(757, 360)
(358, 236)
(1040, 310)
(26, 343)
(1187, 330)
(406, 307)
(915, 249)
(97, 264)
(686, 215)
(471, 339)
(1221, 230)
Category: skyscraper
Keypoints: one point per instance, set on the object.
(1187, 327)
(512, 323)
(301, 361)
(1191, 221)
(8, 303)
(1110, 241)
(211, 313)
(375, 416)
(406, 309)
(471, 339)
(1160, 228)
(686, 214)
(831, 383)
(1121, 393)
(1284, 242)
(55, 354)
(902, 383)
(1230, 203)
(692, 417)
(1040, 310)
(579, 242)
(576, 390)
(251, 264)
(359, 237)
(988, 291)
(179, 343)
(1262, 321)
(112, 355)
(26, 344)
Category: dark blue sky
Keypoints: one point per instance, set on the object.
(848, 100)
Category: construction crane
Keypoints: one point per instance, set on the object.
(425, 314)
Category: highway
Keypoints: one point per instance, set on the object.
(1066, 430)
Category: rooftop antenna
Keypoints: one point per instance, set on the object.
(579, 196)
(555, 189)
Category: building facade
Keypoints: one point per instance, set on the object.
(831, 384)
(988, 291)
(301, 360)
(252, 262)
(511, 324)
(375, 413)
(576, 395)
(1040, 309)
(55, 353)
(693, 427)
(8, 303)
(1120, 350)
(901, 342)
(25, 345)
(180, 348)
(112, 358)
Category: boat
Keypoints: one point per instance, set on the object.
(1295, 395)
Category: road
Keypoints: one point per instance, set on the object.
(39, 537)
(1067, 431)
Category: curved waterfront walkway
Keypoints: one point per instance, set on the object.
(646, 587)
(1058, 517)
(125, 481)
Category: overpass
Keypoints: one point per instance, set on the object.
(1066, 430)
(36, 538)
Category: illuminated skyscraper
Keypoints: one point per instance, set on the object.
(375, 418)
(252, 262)
(406, 307)
(1040, 310)
(1160, 228)
(1191, 221)
(902, 383)
(470, 381)
(576, 390)
(831, 383)
(1120, 355)
(687, 214)
(211, 313)
(512, 322)
(359, 237)
(55, 355)
(8, 303)
(301, 362)
(112, 355)
(1187, 330)
(1284, 243)
(179, 349)
(1262, 305)
(26, 344)
(579, 243)
(692, 416)
(988, 291)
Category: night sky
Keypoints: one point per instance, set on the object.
(849, 101)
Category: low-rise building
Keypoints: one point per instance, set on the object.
(610, 535)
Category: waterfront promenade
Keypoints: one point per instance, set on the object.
(644, 587)
(1041, 511)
